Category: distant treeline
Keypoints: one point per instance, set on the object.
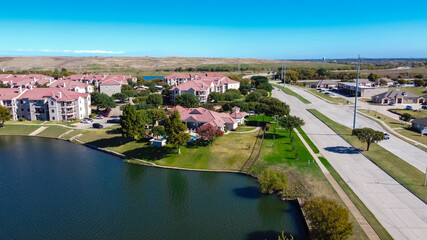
(55, 73)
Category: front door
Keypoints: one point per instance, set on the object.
(399, 101)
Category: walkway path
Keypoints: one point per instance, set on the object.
(65, 133)
(37, 131)
(401, 213)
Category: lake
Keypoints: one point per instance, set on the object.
(152, 77)
(52, 189)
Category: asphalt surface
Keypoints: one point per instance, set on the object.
(399, 211)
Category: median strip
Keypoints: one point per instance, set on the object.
(292, 93)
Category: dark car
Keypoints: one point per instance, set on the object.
(97, 125)
(424, 107)
(114, 120)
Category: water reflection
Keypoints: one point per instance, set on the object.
(270, 210)
(177, 185)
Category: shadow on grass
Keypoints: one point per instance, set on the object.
(110, 142)
(113, 131)
(247, 192)
(343, 150)
(197, 144)
(271, 136)
(150, 153)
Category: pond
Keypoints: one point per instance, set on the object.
(52, 189)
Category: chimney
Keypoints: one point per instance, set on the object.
(20, 89)
(63, 84)
(50, 80)
(59, 94)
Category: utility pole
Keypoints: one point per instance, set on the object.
(284, 76)
(357, 93)
(409, 71)
(425, 178)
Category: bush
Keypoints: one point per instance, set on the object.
(22, 119)
(272, 181)
(328, 219)
(266, 86)
(263, 92)
(92, 115)
(244, 107)
(253, 97)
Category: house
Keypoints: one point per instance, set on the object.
(196, 117)
(396, 97)
(108, 84)
(53, 104)
(8, 98)
(327, 83)
(420, 124)
(200, 85)
(72, 85)
(237, 115)
(388, 81)
(29, 81)
(363, 91)
(364, 82)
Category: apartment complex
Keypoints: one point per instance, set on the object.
(108, 84)
(199, 84)
(45, 104)
(25, 81)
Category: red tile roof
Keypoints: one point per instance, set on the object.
(9, 93)
(203, 115)
(43, 93)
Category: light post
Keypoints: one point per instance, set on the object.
(357, 93)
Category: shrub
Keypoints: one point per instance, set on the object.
(22, 119)
(272, 181)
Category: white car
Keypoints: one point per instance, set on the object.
(84, 121)
(99, 117)
(386, 136)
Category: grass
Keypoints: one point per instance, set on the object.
(415, 90)
(415, 114)
(305, 178)
(292, 93)
(260, 118)
(9, 129)
(308, 140)
(53, 131)
(72, 134)
(244, 129)
(228, 153)
(414, 135)
(334, 100)
(372, 220)
(405, 173)
(393, 123)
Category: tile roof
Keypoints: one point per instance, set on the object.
(69, 84)
(204, 115)
(421, 121)
(43, 93)
(9, 93)
(392, 94)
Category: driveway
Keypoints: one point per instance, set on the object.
(399, 211)
(115, 113)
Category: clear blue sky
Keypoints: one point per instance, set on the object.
(257, 29)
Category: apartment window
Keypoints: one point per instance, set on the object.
(22, 109)
(53, 111)
(51, 102)
(22, 101)
(53, 118)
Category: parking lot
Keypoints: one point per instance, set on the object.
(114, 114)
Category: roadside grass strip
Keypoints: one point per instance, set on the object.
(308, 140)
(333, 100)
(403, 172)
(292, 93)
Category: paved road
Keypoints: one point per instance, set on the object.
(344, 115)
(399, 211)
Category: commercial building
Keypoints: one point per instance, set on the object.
(397, 97)
(366, 90)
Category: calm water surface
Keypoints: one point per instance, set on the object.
(52, 189)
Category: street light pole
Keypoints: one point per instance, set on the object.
(357, 93)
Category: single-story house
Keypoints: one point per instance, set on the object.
(327, 83)
(420, 124)
(236, 114)
(396, 97)
(196, 117)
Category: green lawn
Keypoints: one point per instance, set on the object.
(53, 131)
(260, 118)
(243, 129)
(415, 114)
(415, 90)
(414, 135)
(393, 123)
(228, 153)
(308, 140)
(292, 93)
(306, 179)
(10, 129)
(404, 172)
(372, 220)
(334, 100)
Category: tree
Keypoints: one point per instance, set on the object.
(187, 100)
(419, 82)
(131, 82)
(292, 75)
(119, 96)
(232, 94)
(406, 117)
(253, 97)
(323, 72)
(368, 135)
(383, 82)
(373, 77)
(257, 80)
(158, 131)
(175, 130)
(215, 97)
(166, 90)
(209, 133)
(155, 115)
(401, 81)
(244, 88)
(130, 93)
(263, 92)
(151, 86)
(272, 106)
(140, 81)
(266, 86)
(2, 85)
(290, 122)
(328, 219)
(419, 76)
(272, 181)
(44, 85)
(102, 100)
(132, 123)
(4, 115)
(155, 100)
(126, 87)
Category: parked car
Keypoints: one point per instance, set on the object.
(424, 107)
(88, 119)
(409, 108)
(386, 136)
(114, 120)
(97, 125)
(84, 121)
(105, 114)
(99, 117)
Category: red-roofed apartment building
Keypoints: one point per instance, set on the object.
(196, 117)
(9, 98)
(52, 104)
(108, 84)
(200, 85)
(25, 81)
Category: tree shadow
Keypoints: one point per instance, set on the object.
(110, 142)
(343, 150)
(271, 136)
(197, 144)
(247, 192)
(113, 131)
(150, 153)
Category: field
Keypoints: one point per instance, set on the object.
(334, 100)
(402, 171)
(416, 114)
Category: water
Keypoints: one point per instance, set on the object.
(152, 77)
(52, 189)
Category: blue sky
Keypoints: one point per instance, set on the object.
(256, 29)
